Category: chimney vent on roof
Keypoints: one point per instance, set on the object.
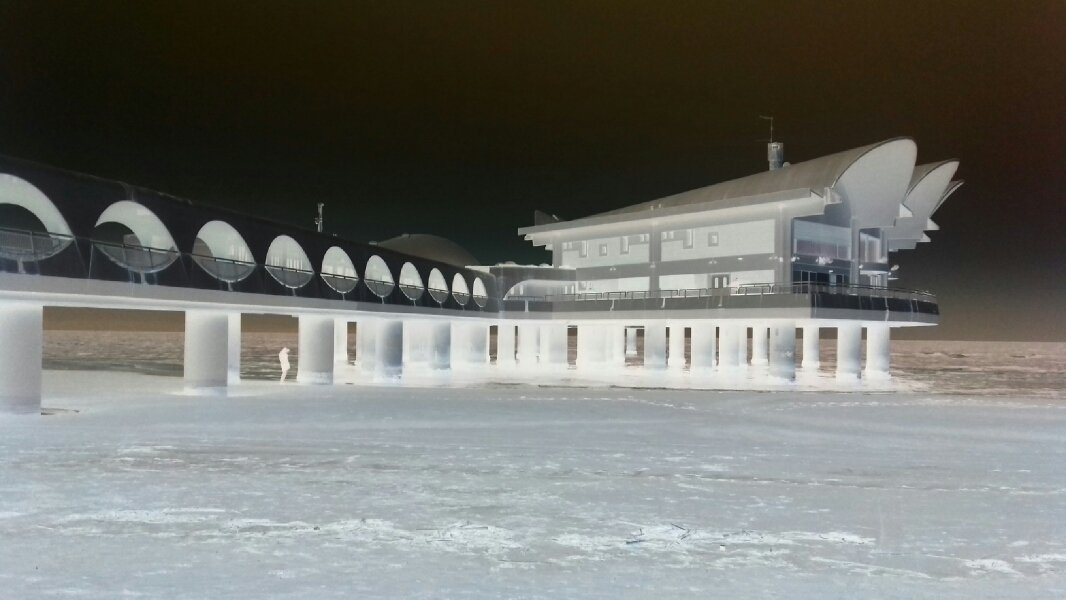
(775, 153)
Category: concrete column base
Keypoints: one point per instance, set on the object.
(676, 352)
(22, 332)
(759, 345)
(233, 374)
(654, 346)
(849, 351)
(315, 357)
(782, 356)
(207, 347)
(878, 352)
(811, 348)
(702, 353)
(505, 344)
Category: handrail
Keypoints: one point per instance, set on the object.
(756, 289)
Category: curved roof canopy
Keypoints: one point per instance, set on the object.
(431, 247)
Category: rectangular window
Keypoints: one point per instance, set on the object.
(643, 238)
(624, 248)
(712, 238)
(603, 249)
(583, 249)
(689, 234)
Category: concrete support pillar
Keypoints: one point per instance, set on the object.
(469, 344)
(782, 357)
(849, 351)
(676, 352)
(878, 351)
(654, 346)
(388, 348)
(439, 344)
(703, 347)
(616, 346)
(505, 344)
(592, 346)
(553, 345)
(415, 342)
(742, 347)
(316, 350)
(811, 348)
(233, 370)
(340, 341)
(366, 344)
(730, 338)
(206, 349)
(631, 341)
(759, 346)
(21, 331)
(528, 345)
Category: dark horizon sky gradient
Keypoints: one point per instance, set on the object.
(461, 118)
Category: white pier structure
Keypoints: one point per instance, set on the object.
(716, 281)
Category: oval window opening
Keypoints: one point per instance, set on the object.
(134, 238)
(481, 296)
(411, 282)
(438, 286)
(31, 227)
(338, 271)
(378, 278)
(288, 264)
(222, 252)
(460, 291)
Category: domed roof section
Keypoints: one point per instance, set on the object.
(431, 247)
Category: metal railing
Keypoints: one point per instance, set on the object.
(755, 289)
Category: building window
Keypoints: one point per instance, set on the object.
(624, 247)
(712, 238)
(643, 238)
(689, 234)
(603, 249)
(583, 249)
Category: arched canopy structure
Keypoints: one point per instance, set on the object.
(929, 186)
(338, 271)
(411, 282)
(539, 288)
(378, 277)
(31, 227)
(221, 251)
(133, 236)
(287, 263)
(481, 295)
(438, 286)
(460, 290)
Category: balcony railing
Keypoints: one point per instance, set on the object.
(756, 289)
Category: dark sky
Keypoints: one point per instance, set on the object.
(461, 118)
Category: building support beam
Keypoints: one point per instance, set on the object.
(315, 364)
(592, 346)
(616, 346)
(849, 351)
(207, 346)
(654, 346)
(505, 344)
(340, 341)
(676, 356)
(365, 344)
(439, 345)
(782, 357)
(388, 348)
(811, 348)
(469, 344)
(729, 340)
(631, 341)
(878, 351)
(759, 345)
(553, 345)
(703, 347)
(528, 345)
(22, 331)
(233, 370)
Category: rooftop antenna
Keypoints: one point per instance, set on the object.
(318, 220)
(775, 151)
